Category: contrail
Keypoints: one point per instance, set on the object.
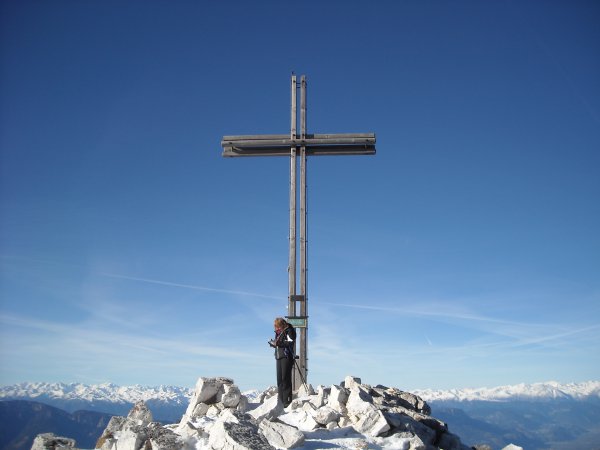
(190, 286)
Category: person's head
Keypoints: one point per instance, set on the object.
(279, 323)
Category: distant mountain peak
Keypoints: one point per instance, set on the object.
(535, 391)
(112, 393)
(105, 392)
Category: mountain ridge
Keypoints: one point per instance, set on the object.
(112, 393)
(550, 390)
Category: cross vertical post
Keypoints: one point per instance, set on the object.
(298, 145)
(293, 194)
(303, 351)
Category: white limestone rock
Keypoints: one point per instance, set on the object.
(270, 409)
(236, 433)
(301, 419)
(243, 404)
(373, 423)
(200, 410)
(308, 407)
(412, 442)
(402, 423)
(350, 382)
(215, 410)
(299, 403)
(344, 422)
(108, 438)
(338, 396)
(267, 393)
(48, 441)
(429, 421)
(320, 398)
(208, 391)
(281, 435)
(325, 415)
(131, 438)
(365, 417)
(140, 414)
(230, 396)
(358, 401)
(161, 438)
(391, 397)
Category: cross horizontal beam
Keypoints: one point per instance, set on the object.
(315, 144)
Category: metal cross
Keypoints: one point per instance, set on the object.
(298, 146)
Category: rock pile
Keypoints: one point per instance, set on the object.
(219, 417)
(373, 411)
(138, 431)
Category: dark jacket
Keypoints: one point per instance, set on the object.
(285, 343)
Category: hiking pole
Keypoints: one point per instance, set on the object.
(300, 373)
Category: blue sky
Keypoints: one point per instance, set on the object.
(466, 253)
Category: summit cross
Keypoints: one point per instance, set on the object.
(298, 145)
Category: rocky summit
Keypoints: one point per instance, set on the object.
(219, 417)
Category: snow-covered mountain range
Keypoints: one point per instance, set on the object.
(537, 391)
(111, 393)
(106, 392)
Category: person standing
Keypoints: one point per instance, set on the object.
(284, 344)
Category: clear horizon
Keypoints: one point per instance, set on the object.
(465, 253)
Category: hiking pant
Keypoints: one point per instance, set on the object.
(284, 380)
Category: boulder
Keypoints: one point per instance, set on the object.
(234, 432)
(372, 422)
(140, 414)
(129, 433)
(162, 438)
(108, 437)
(210, 392)
(300, 403)
(270, 409)
(301, 419)
(358, 400)
(365, 416)
(215, 410)
(230, 397)
(437, 425)
(200, 410)
(320, 398)
(48, 441)
(350, 382)
(338, 396)
(414, 442)
(344, 422)
(267, 393)
(281, 435)
(132, 438)
(243, 404)
(391, 397)
(325, 415)
(402, 423)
